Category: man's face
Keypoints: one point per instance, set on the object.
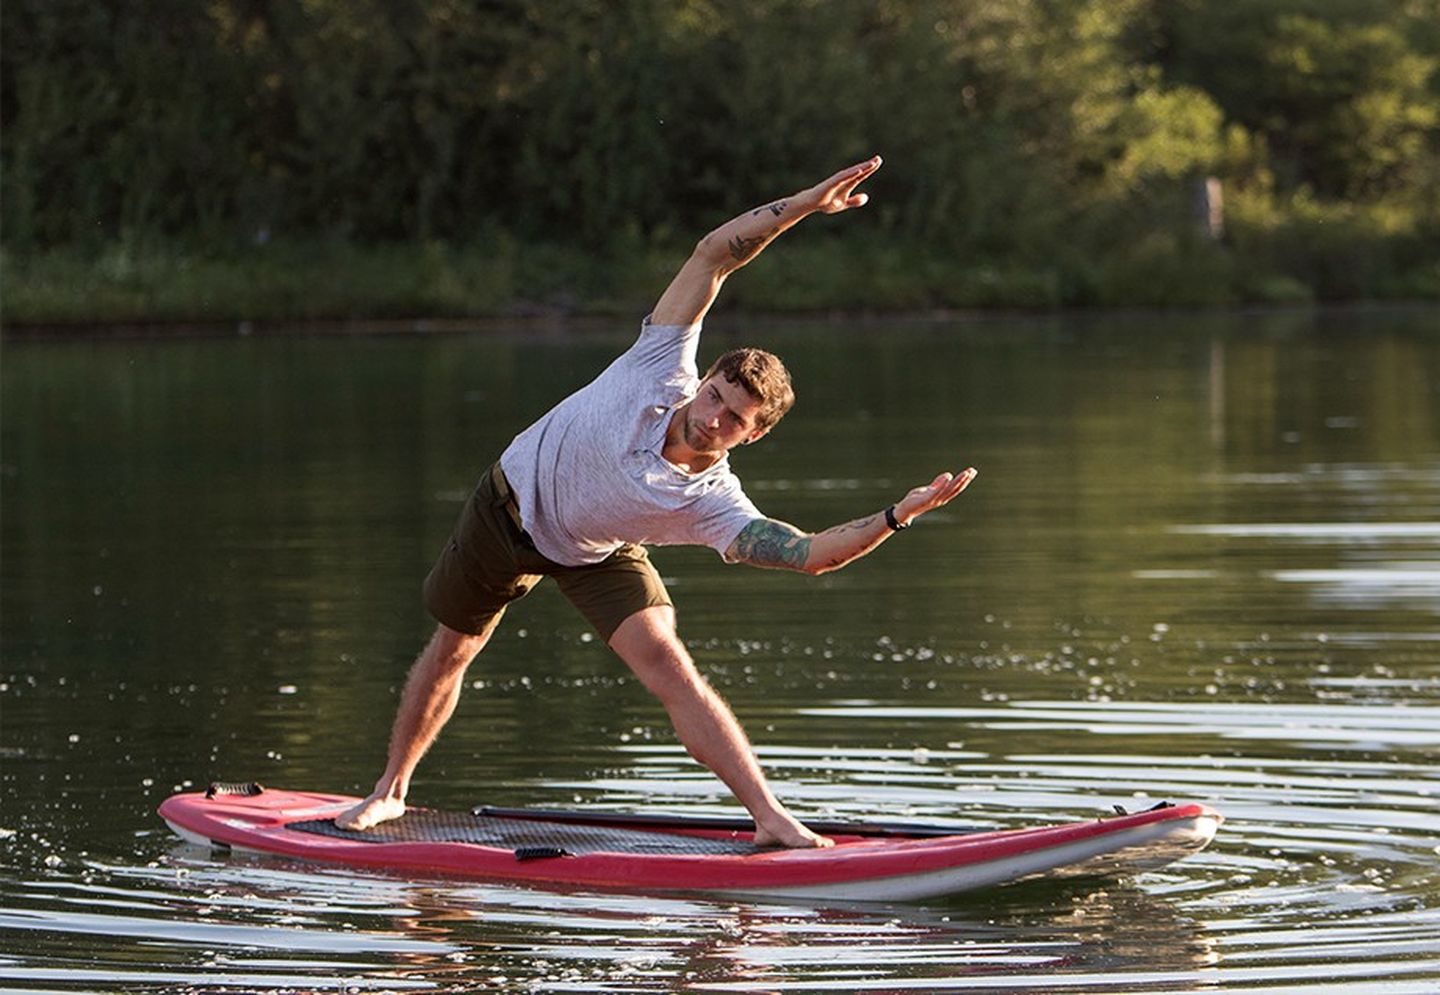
(722, 415)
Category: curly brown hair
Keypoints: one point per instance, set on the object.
(765, 378)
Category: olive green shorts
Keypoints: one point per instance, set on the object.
(489, 562)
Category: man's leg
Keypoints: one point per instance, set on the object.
(429, 698)
(648, 643)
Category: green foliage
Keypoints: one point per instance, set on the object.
(229, 158)
(1343, 91)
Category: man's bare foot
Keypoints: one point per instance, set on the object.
(789, 833)
(372, 811)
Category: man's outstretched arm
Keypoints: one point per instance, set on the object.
(741, 239)
(768, 542)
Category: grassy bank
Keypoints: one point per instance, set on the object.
(143, 283)
(311, 281)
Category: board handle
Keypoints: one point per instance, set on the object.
(247, 789)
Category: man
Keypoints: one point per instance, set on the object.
(639, 457)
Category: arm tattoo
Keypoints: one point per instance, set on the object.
(768, 543)
(743, 248)
(777, 208)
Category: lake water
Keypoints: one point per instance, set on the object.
(1201, 562)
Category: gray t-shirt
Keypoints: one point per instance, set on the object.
(589, 476)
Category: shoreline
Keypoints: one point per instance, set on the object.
(296, 286)
(582, 322)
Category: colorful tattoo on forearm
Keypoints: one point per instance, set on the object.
(768, 543)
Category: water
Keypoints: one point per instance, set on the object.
(1201, 562)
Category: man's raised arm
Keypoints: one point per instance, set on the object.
(768, 542)
(741, 239)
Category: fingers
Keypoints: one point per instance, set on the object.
(960, 482)
(955, 485)
(854, 174)
(869, 165)
(837, 193)
(940, 491)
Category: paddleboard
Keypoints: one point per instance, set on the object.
(884, 861)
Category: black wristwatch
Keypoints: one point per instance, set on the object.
(891, 521)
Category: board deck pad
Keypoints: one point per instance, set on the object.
(433, 826)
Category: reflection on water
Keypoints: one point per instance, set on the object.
(1201, 563)
(260, 923)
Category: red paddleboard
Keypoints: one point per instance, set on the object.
(643, 853)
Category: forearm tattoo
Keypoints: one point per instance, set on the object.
(743, 248)
(768, 543)
(777, 208)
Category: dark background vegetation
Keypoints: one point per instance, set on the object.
(236, 159)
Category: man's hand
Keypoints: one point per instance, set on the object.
(742, 238)
(837, 193)
(940, 491)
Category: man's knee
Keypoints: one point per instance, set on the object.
(668, 674)
(450, 650)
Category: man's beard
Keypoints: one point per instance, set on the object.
(696, 438)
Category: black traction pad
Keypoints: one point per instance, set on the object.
(432, 826)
